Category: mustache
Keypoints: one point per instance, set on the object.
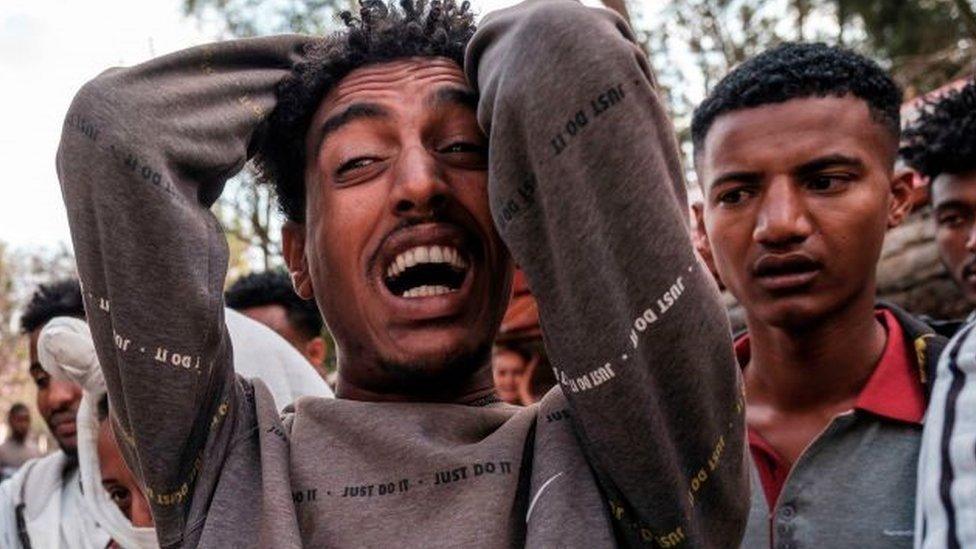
(969, 268)
(62, 416)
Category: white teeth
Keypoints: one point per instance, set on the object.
(427, 291)
(426, 254)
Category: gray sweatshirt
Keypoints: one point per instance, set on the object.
(641, 444)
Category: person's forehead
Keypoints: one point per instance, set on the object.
(954, 187)
(32, 343)
(271, 314)
(782, 133)
(411, 76)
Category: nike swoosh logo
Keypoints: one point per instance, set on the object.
(535, 499)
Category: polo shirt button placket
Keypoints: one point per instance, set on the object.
(784, 530)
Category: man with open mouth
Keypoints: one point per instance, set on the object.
(796, 153)
(941, 145)
(415, 160)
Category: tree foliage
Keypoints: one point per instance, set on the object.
(693, 43)
(242, 18)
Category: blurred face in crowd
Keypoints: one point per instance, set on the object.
(19, 421)
(798, 197)
(954, 204)
(399, 248)
(119, 481)
(57, 400)
(275, 316)
(508, 371)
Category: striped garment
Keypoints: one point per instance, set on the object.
(946, 506)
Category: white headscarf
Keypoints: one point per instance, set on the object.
(66, 351)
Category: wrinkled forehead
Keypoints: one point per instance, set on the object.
(391, 82)
(416, 74)
(780, 135)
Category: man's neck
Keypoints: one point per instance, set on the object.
(477, 388)
(818, 366)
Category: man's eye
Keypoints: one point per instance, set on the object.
(950, 220)
(120, 496)
(355, 164)
(734, 196)
(463, 147)
(825, 183)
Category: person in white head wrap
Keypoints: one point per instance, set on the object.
(65, 349)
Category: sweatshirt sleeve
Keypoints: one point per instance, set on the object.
(144, 153)
(586, 189)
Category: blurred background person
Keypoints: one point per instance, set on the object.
(520, 366)
(17, 449)
(508, 365)
(43, 505)
(941, 145)
(112, 493)
(269, 298)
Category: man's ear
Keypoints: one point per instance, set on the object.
(316, 351)
(293, 245)
(902, 193)
(700, 240)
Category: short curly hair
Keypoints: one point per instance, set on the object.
(60, 298)
(795, 70)
(943, 139)
(274, 288)
(380, 33)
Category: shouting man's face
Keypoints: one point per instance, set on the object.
(798, 196)
(57, 400)
(399, 248)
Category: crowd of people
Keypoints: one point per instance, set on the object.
(595, 396)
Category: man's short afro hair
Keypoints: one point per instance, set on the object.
(943, 139)
(800, 70)
(379, 33)
(61, 298)
(274, 288)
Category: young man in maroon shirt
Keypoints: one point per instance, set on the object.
(795, 152)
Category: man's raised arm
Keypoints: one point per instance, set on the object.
(587, 191)
(144, 153)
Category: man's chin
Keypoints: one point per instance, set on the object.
(436, 371)
(792, 314)
(70, 448)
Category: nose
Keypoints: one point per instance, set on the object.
(141, 517)
(420, 190)
(971, 240)
(62, 394)
(782, 220)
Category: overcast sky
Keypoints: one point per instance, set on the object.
(48, 49)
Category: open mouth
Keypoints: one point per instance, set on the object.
(426, 271)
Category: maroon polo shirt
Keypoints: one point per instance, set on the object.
(893, 391)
